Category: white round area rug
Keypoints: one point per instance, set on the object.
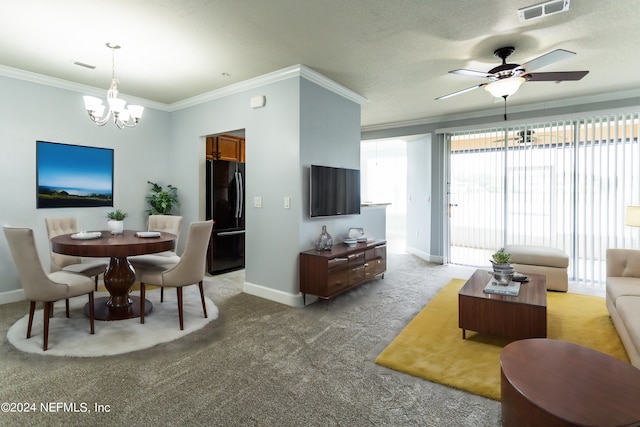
(72, 337)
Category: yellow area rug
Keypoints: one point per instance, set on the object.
(431, 345)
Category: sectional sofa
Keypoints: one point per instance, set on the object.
(623, 298)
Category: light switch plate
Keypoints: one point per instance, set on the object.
(287, 202)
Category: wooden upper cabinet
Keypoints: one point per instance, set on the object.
(226, 147)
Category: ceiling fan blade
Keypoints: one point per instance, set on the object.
(546, 59)
(461, 91)
(557, 76)
(472, 73)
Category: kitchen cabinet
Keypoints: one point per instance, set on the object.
(226, 147)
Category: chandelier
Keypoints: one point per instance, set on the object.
(123, 116)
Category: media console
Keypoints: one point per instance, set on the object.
(327, 274)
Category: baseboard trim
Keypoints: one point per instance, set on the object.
(12, 296)
(292, 300)
(425, 256)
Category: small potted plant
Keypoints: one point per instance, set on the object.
(116, 221)
(162, 201)
(501, 257)
(502, 269)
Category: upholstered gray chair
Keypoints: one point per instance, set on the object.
(40, 286)
(188, 270)
(168, 224)
(69, 263)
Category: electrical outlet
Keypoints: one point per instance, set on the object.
(257, 202)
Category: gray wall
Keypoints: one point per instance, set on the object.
(30, 112)
(302, 123)
(419, 194)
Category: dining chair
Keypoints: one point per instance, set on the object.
(69, 263)
(40, 286)
(188, 270)
(168, 224)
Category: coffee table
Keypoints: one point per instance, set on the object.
(513, 317)
(554, 383)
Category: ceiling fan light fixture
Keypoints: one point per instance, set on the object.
(504, 87)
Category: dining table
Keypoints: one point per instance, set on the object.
(120, 276)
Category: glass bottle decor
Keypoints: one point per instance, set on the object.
(324, 241)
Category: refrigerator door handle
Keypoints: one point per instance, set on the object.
(230, 233)
(235, 175)
(241, 197)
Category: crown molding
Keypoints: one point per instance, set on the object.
(75, 87)
(270, 78)
(257, 82)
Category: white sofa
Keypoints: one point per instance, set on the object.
(551, 262)
(623, 298)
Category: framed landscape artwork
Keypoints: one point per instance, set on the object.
(73, 176)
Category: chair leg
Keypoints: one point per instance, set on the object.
(162, 294)
(142, 289)
(91, 312)
(66, 307)
(47, 309)
(204, 306)
(32, 309)
(180, 315)
(96, 279)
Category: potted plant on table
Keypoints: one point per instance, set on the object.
(502, 269)
(162, 201)
(116, 221)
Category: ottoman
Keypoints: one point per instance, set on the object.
(551, 262)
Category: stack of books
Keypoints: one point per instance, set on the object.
(512, 289)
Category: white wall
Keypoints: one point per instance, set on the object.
(30, 112)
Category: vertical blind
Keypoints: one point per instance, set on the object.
(563, 184)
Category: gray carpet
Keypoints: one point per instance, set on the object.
(259, 364)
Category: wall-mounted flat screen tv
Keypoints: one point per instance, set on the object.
(334, 191)
(73, 176)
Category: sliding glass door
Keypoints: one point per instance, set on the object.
(563, 184)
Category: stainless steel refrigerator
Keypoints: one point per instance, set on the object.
(225, 205)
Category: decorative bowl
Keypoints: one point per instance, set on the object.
(350, 242)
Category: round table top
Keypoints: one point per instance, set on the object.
(575, 383)
(113, 245)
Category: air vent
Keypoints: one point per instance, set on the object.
(82, 64)
(543, 9)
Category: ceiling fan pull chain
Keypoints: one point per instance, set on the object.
(505, 108)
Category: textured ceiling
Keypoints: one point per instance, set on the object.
(394, 53)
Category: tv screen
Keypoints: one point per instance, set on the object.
(71, 176)
(334, 191)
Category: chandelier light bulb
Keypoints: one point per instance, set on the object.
(121, 114)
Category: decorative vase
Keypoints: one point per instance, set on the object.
(502, 273)
(115, 227)
(324, 241)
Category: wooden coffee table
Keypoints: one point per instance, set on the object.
(555, 383)
(514, 317)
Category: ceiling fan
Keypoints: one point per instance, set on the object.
(505, 79)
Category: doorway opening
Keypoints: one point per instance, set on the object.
(383, 165)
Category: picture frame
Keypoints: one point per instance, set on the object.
(73, 176)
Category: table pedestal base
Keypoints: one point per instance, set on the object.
(102, 311)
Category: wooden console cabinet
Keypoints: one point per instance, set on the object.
(327, 274)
